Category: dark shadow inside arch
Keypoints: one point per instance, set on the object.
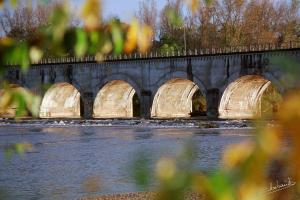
(117, 99)
(198, 104)
(82, 108)
(136, 106)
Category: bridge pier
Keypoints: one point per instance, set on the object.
(86, 105)
(212, 101)
(146, 103)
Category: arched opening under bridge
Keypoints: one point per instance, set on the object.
(62, 100)
(249, 97)
(116, 99)
(178, 98)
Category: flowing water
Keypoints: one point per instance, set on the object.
(66, 157)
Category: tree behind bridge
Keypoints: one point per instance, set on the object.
(229, 23)
(23, 22)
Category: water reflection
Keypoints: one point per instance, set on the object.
(143, 136)
(142, 133)
(66, 157)
(63, 130)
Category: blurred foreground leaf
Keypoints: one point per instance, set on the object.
(174, 18)
(91, 11)
(18, 148)
(81, 43)
(140, 171)
(19, 102)
(117, 36)
(290, 69)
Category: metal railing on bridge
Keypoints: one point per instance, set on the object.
(169, 54)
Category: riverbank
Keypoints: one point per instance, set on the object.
(152, 123)
(140, 196)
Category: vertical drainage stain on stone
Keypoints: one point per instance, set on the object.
(189, 70)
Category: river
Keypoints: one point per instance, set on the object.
(65, 157)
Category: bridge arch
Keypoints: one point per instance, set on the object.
(120, 76)
(249, 97)
(61, 100)
(179, 74)
(117, 99)
(178, 97)
(266, 75)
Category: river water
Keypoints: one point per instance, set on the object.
(65, 157)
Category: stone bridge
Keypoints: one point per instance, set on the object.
(226, 84)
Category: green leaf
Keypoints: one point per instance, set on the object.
(81, 43)
(117, 38)
(19, 147)
(97, 41)
(174, 18)
(18, 54)
(140, 171)
(208, 2)
(59, 21)
(21, 104)
(221, 185)
(14, 3)
(8, 153)
(35, 106)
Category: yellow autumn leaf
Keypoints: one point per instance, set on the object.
(5, 100)
(193, 5)
(237, 153)
(252, 191)
(145, 38)
(289, 112)
(6, 41)
(91, 14)
(132, 35)
(289, 117)
(166, 169)
(35, 54)
(270, 135)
